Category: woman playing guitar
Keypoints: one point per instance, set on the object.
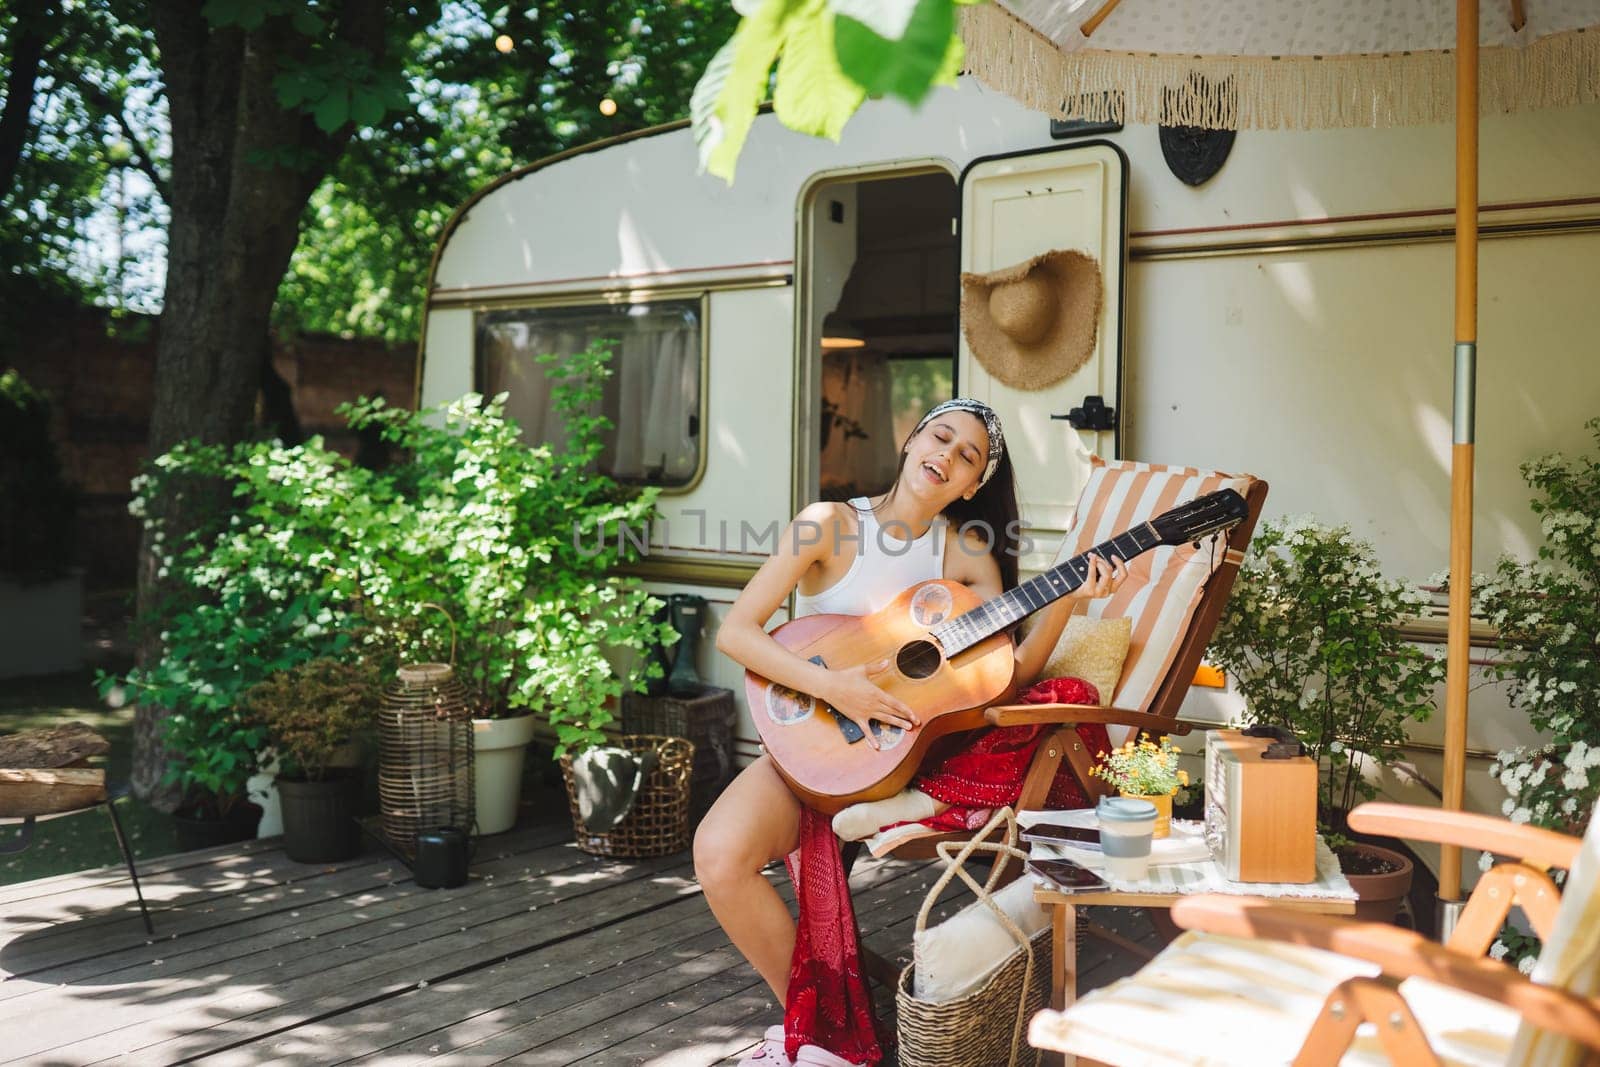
(951, 513)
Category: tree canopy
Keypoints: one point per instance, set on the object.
(477, 89)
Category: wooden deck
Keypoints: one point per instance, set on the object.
(547, 956)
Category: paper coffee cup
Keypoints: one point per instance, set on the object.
(1126, 828)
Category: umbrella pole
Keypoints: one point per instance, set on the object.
(1461, 459)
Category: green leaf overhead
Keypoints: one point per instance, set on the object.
(905, 67)
(831, 55)
(813, 95)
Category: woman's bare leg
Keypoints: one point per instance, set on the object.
(755, 821)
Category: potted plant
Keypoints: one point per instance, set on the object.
(518, 544)
(315, 557)
(250, 595)
(311, 714)
(1546, 616)
(41, 592)
(214, 757)
(1310, 640)
(1146, 770)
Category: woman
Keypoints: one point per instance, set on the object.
(854, 558)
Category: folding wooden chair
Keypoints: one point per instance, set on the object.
(1175, 597)
(1253, 984)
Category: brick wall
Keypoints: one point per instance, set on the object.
(100, 380)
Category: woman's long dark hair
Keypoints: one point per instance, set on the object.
(992, 513)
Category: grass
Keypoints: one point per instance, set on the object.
(83, 840)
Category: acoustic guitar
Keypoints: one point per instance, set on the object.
(941, 649)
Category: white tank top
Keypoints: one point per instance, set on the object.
(885, 565)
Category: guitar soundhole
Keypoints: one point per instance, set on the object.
(918, 659)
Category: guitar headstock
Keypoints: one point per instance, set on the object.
(1201, 517)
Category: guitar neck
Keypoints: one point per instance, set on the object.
(1014, 605)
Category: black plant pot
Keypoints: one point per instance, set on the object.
(319, 823)
(238, 825)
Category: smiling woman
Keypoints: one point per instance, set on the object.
(854, 558)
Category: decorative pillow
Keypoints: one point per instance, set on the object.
(957, 956)
(1092, 649)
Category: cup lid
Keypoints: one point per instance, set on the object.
(1124, 809)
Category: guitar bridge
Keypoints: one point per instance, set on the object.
(852, 733)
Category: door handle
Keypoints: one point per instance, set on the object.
(1093, 415)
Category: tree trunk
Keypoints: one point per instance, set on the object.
(236, 207)
(27, 54)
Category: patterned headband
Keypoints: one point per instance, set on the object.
(991, 424)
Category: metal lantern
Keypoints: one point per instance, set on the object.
(424, 754)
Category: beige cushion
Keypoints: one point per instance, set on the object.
(1210, 1000)
(1463, 1030)
(959, 954)
(1091, 649)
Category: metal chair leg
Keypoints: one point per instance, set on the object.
(127, 856)
(23, 839)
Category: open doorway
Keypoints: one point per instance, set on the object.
(881, 348)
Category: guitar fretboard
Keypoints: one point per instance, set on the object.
(1014, 605)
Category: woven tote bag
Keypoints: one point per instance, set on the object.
(986, 1026)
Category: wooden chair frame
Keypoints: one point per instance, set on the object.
(1459, 963)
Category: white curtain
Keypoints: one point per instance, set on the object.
(652, 397)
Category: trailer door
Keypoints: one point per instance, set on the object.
(1014, 207)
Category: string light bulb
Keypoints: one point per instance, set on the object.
(504, 44)
(608, 107)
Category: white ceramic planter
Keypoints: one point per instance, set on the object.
(41, 626)
(499, 748)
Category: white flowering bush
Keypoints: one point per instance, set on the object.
(1547, 614)
(1309, 637)
(321, 559)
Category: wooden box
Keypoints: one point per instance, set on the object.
(1261, 814)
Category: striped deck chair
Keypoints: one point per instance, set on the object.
(1253, 984)
(1174, 595)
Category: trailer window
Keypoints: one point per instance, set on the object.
(652, 398)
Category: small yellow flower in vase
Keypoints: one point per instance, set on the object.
(1146, 770)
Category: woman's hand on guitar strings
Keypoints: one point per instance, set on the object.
(855, 696)
(1103, 578)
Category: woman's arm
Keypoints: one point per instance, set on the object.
(811, 538)
(1034, 650)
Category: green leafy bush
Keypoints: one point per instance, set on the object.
(37, 522)
(312, 710)
(1547, 614)
(1309, 636)
(322, 559)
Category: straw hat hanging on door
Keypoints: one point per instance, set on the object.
(1033, 324)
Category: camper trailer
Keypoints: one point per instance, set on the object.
(1289, 317)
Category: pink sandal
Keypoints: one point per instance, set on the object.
(817, 1056)
(770, 1052)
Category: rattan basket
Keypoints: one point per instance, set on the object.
(658, 823)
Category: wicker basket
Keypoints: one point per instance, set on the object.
(658, 822)
(988, 1026)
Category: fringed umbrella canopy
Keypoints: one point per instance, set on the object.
(1232, 64)
(1276, 64)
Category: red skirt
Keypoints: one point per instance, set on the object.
(829, 1003)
